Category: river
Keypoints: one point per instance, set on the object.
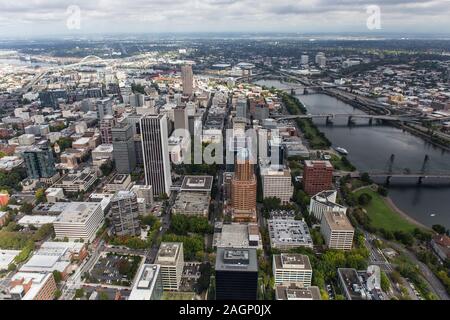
(370, 149)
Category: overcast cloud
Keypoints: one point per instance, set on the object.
(49, 17)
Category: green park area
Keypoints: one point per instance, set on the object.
(381, 215)
(180, 296)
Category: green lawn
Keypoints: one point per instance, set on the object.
(382, 216)
(178, 295)
(341, 165)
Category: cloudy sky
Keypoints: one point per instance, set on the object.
(60, 17)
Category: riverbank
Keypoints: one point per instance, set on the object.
(384, 214)
(315, 137)
(405, 215)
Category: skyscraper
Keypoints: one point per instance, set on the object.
(187, 77)
(124, 148)
(125, 214)
(39, 161)
(243, 188)
(156, 153)
(181, 118)
(236, 274)
(104, 107)
(317, 176)
(106, 126)
(171, 259)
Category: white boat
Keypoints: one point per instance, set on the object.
(433, 215)
(342, 151)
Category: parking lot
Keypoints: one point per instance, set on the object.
(114, 269)
(191, 273)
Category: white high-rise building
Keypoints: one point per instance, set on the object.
(277, 183)
(155, 148)
(171, 259)
(337, 231)
(292, 269)
(325, 201)
(79, 220)
(304, 59)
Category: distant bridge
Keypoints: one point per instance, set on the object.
(350, 116)
(391, 173)
(85, 61)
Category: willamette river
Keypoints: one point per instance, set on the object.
(370, 149)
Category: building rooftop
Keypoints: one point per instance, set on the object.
(318, 163)
(119, 179)
(236, 235)
(37, 281)
(197, 183)
(353, 286)
(289, 233)
(145, 282)
(168, 253)
(77, 212)
(36, 220)
(338, 221)
(7, 257)
(292, 261)
(123, 194)
(295, 293)
(191, 203)
(231, 259)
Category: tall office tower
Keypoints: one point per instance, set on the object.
(304, 59)
(236, 274)
(135, 121)
(187, 77)
(181, 118)
(39, 161)
(171, 259)
(106, 126)
(317, 176)
(125, 214)
(243, 188)
(292, 269)
(321, 60)
(124, 152)
(137, 100)
(155, 149)
(241, 108)
(277, 182)
(104, 107)
(337, 231)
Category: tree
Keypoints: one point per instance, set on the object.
(364, 199)
(26, 208)
(40, 195)
(103, 296)
(123, 266)
(385, 283)
(382, 191)
(64, 143)
(107, 168)
(365, 177)
(58, 294)
(57, 275)
(439, 229)
(79, 293)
